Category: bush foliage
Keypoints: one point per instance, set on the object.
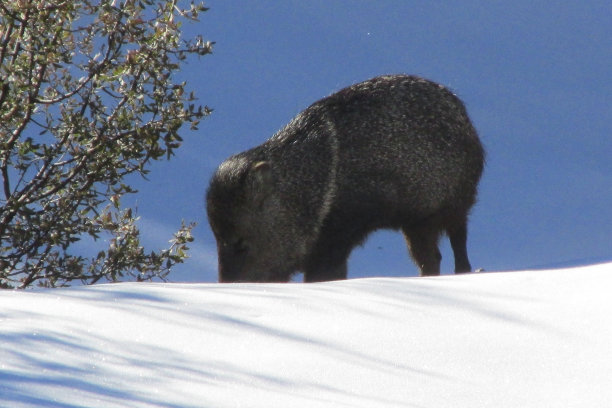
(88, 96)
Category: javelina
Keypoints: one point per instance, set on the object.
(394, 151)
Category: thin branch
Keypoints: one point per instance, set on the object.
(6, 181)
(10, 14)
(6, 36)
(33, 275)
(67, 95)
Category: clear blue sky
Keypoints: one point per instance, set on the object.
(536, 79)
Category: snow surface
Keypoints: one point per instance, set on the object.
(513, 339)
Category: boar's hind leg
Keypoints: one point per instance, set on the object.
(458, 240)
(423, 245)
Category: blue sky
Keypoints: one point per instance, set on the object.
(535, 77)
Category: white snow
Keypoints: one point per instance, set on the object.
(513, 339)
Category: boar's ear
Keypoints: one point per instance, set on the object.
(261, 180)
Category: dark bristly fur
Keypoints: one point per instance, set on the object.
(395, 151)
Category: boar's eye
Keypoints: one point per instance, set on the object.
(234, 246)
(239, 246)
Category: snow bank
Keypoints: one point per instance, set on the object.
(516, 339)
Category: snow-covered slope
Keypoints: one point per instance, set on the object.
(517, 339)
